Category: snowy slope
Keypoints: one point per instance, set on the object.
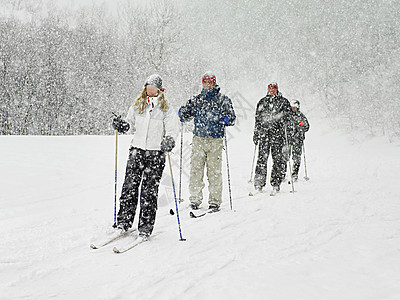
(336, 237)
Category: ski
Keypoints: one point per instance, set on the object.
(111, 239)
(130, 246)
(192, 215)
(210, 211)
(272, 193)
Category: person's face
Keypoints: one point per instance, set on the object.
(208, 84)
(151, 90)
(272, 90)
(294, 108)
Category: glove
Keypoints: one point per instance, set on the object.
(224, 120)
(167, 144)
(180, 114)
(120, 125)
(256, 139)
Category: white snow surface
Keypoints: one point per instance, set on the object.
(336, 237)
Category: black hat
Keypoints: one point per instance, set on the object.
(154, 80)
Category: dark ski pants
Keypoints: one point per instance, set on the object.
(144, 169)
(297, 149)
(278, 162)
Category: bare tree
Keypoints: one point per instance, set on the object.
(151, 35)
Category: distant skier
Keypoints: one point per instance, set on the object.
(153, 125)
(271, 122)
(299, 126)
(212, 111)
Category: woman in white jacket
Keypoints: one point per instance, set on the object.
(153, 125)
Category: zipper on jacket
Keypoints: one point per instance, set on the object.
(151, 105)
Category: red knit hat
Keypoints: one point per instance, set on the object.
(210, 76)
(273, 85)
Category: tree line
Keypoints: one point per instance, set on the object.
(64, 72)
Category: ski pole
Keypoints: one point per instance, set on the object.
(115, 179)
(305, 164)
(252, 165)
(180, 166)
(176, 202)
(227, 167)
(290, 165)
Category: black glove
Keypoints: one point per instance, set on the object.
(120, 125)
(181, 116)
(256, 138)
(290, 140)
(167, 144)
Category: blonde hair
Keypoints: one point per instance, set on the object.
(141, 101)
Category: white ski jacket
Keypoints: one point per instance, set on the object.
(150, 127)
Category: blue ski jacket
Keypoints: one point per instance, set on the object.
(211, 110)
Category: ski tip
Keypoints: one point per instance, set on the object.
(192, 215)
(93, 246)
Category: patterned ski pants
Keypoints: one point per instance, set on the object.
(297, 149)
(144, 167)
(278, 162)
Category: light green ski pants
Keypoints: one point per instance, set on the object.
(206, 152)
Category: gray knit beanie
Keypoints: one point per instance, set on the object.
(154, 80)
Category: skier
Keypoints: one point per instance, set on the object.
(299, 126)
(212, 111)
(271, 122)
(153, 125)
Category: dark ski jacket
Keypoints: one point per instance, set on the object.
(299, 126)
(272, 118)
(208, 109)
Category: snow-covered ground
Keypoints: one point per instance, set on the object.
(336, 237)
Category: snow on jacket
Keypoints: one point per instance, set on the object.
(299, 124)
(149, 128)
(207, 109)
(272, 116)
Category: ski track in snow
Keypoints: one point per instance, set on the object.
(336, 237)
